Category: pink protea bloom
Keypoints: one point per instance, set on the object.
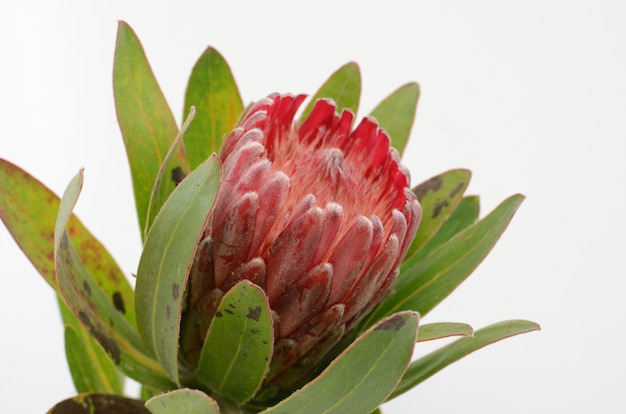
(316, 215)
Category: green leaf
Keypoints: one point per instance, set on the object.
(434, 362)
(166, 260)
(92, 370)
(92, 307)
(145, 119)
(396, 114)
(425, 283)
(438, 197)
(464, 215)
(343, 86)
(363, 375)
(29, 210)
(238, 346)
(213, 92)
(184, 400)
(440, 330)
(162, 189)
(99, 404)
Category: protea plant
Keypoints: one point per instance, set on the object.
(287, 258)
(317, 216)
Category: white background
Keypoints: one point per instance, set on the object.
(528, 95)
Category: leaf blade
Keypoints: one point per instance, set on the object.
(440, 330)
(343, 86)
(162, 189)
(183, 400)
(91, 369)
(439, 197)
(428, 365)
(425, 283)
(166, 260)
(22, 195)
(396, 114)
(349, 385)
(146, 121)
(91, 306)
(464, 215)
(213, 92)
(238, 347)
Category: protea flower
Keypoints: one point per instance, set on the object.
(318, 216)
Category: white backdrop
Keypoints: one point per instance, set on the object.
(528, 95)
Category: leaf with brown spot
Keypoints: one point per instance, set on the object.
(91, 368)
(87, 370)
(438, 197)
(239, 344)
(95, 310)
(363, 375)
(166, 260)
(29, 209)
(162, 187)
(424, 283)
(464, 215)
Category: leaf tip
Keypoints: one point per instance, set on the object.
(122, 26)
(213, 51)
(535, 326)
(413, 87)
(352, 66)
